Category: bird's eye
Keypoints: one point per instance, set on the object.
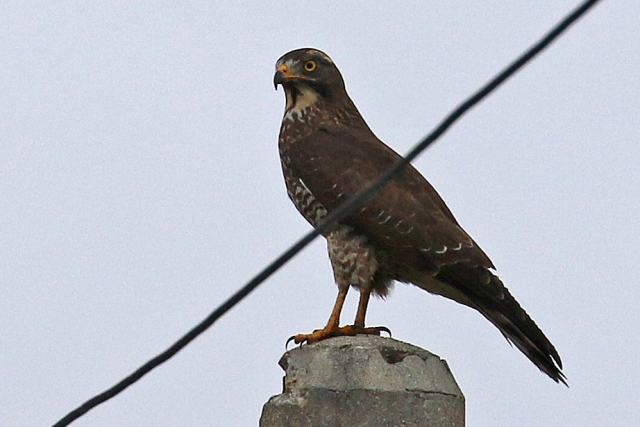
(310, 65)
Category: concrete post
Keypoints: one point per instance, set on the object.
(364, 381)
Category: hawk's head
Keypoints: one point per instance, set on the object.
(307, 75)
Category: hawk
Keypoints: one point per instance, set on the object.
(404, 233)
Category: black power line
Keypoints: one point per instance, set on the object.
(344, 210)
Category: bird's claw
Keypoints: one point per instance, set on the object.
(330, 332)
(291, 338)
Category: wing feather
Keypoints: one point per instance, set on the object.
(405, 214)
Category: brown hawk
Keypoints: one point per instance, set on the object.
(405, 232)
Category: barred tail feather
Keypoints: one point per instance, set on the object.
(520, 330)
(486, 293)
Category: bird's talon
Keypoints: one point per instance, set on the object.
(345, 331)
(299, 339)
(291, 338)
(384, 329)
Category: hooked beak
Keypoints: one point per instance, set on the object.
(284, 75)
(278, 79)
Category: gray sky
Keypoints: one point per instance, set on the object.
(140, 186)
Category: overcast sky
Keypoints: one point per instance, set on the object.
(140, 186)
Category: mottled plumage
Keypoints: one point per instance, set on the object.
(404, 233)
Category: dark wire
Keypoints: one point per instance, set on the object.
(345, 209)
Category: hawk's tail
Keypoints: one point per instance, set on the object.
(494, 301)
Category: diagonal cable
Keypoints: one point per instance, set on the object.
(343, 211)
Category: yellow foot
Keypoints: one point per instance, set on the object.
(327, 332)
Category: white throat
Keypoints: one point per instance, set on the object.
(305, 98)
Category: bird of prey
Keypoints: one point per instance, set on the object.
(404, 233)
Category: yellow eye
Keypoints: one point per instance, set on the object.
(310, 66)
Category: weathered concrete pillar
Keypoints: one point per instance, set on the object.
(364, 381)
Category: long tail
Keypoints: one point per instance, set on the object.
(487, 294)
